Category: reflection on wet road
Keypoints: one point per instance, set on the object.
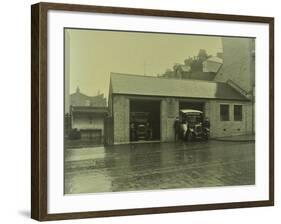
(159, 166)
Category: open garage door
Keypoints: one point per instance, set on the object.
(144, 120)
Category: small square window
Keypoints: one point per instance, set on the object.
(224, 112)
(238, 112)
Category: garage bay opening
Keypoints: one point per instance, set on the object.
(144, 120)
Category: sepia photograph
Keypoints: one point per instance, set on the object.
(157, 111)
(140, 111)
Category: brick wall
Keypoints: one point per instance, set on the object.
(168, 112)
(121, 118)
(229, 128)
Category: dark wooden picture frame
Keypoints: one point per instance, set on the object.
(39, 108)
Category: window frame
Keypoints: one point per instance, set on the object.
(228, 105)
(241, 106)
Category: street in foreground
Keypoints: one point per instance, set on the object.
(151, 166)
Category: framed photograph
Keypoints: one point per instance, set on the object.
(142, 111)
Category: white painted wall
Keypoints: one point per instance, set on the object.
(84, 122)
(15, 117)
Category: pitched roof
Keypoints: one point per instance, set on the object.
(80, 99)
(156, 86)
(212, 64)
(215, 59)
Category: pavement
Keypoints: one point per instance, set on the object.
(152, 166)
(238, 138)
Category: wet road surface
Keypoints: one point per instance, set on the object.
(151, 166)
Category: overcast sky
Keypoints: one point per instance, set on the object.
(94, 54)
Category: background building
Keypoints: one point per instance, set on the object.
(89, 121)
(200, 67)
(82, 100)
(238, 62)
(87, 116)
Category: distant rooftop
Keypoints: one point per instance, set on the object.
(158, 86)
(80, 99)
(212, 64)
(215, 59)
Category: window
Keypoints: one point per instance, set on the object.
(238, 112)
(224, 112)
